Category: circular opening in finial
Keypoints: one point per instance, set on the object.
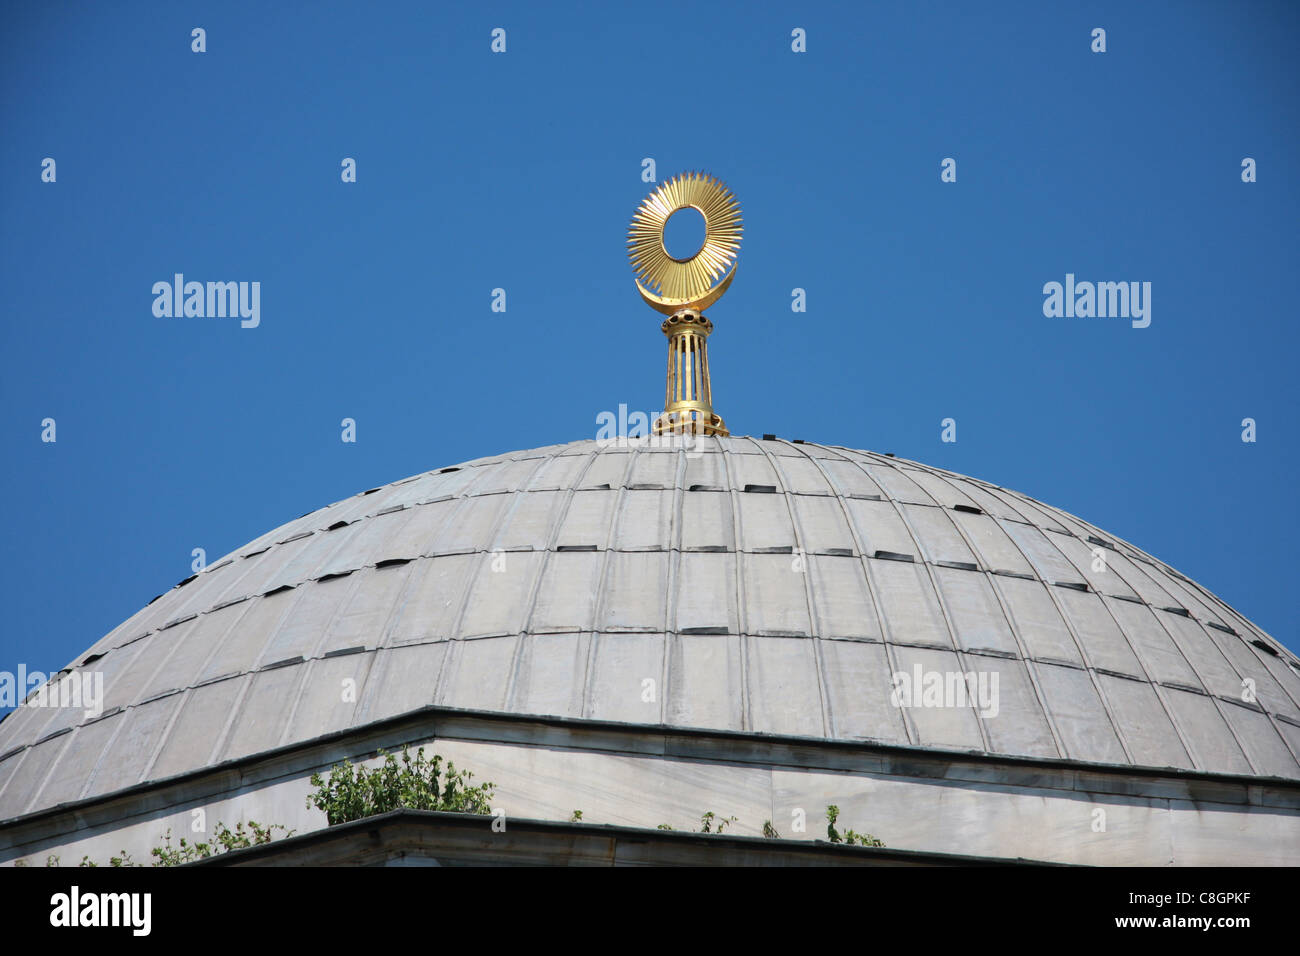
(684, 234)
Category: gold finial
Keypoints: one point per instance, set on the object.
(683, 288)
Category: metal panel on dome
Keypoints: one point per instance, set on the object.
(621, 666)
(879, 527)
(937, 536)
(778, 447)
(1037, 620)
(776, 601)
(1082, 560)
(19, 728)
(529, 523)
(1139, 579)
(587, 521)
(505, 476)
(943, 491)
(1187, 597)
(559, 472)
(250, 576)
(1105, 643)
(1291, 735)
(645, 521)
(1015, 723)
(802, 477)
(550, 675)
(1286, 673)
(416, 533)
(152, 616)
(1267, 750)
(140, 730)
(363, 617)
(499, 600)
(1160, 656)
(322, 705)
(823, 524)
(259, 724)
(182, 656)
(68, 777)
(1078, 714)
(608, 468)
(1043, 554)
(1264, 688)
(27, 779)
(122, 671)
(1142, 720)
(438, 484)
(567, 595)
(706, 593)
(1039, 517)
(436, 591)
(978, 621)
(192, 739)
(243, 644)
(784, 694)
(986, 501)
(841, 600)
(473, 525)
(402, 679)
(307, 557)
(1213, 745)
(752, 469)
(346, 549)
(707, 521)
(851, 480)
(651, 469)
(909, 604)
(997, 551)
(858, 685)
(897, 484)
(206, 590)
(764, 522)
(632, 597)
(1218, 676)
(479, 674)
(300, 632)
(709, 471)
(704, 682)
(949, 724)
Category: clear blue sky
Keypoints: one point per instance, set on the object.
(521, 170)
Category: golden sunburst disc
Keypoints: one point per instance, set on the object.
(670, 284)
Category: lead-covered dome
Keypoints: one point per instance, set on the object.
(753, 586)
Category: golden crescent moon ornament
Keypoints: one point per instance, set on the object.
(670, 285)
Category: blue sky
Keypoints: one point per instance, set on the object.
(521, 170)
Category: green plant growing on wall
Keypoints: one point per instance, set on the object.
(849, 837)
(577, 817)
(769, 831)
(352, 793)
(706, 823)
(223, 840)
(123, 860)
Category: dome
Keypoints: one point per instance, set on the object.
(749, 586)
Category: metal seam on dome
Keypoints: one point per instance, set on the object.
(814, 623)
